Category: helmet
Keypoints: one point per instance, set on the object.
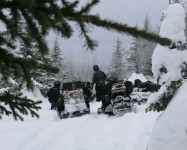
(57, 83)
(95, 67)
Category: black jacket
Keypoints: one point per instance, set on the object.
(54, 94)
(98, 77)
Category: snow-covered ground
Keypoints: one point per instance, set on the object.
(135, 76)
(92, 131)
(133, 131)
(170, 129)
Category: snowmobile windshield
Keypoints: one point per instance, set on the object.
(112, 77)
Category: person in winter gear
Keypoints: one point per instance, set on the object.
(98, 79)
(87, 91)
(54, 94)
(129, 87)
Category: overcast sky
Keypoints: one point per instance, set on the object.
(129, 12)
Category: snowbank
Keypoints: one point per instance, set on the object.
(135, 76)
(170, 129)
(92, 131)
(34, 95)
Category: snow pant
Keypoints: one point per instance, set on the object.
(87, 102)
(99, 93)
(53, 104)
(60, 105)
(105, 101)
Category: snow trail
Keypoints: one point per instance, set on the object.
(90, 131)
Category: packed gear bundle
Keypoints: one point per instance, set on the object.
(76, 97)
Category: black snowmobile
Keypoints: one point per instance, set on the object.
(73, 102)
(116, 97)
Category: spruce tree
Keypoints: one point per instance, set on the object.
(56, 54)
(58, 61)
(141, 52)
(135, 56)
(117, 62)
(147, 48)
(41, 78)
(39, 17)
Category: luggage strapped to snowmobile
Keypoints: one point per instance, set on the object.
(74, 100)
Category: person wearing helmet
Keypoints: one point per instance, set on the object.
(54, 94)
(87, 91)
(98, 79)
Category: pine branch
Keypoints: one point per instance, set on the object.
(89, 43)
(124, 29)
(88, 7)
(34, 32)
(3, 111)
(70, 6)
(19, 106)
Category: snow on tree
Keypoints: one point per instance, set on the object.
(134, 56)
(128, 66)
(141, 52)
(167, 63)
(147, 49)
(117, 64)
(12, 101)
(58, 61)
(56, 54)
(184, 3)
(41, 78)
(169, 132)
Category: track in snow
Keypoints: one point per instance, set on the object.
(89, 132)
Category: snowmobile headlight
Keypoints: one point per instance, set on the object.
(118, 85)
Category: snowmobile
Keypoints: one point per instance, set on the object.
(115, 99)
(73, 102)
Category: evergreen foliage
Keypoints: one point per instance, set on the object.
(41, 78)
(165, 97)
(117, 64)
(38, 18)
(58, 61)
(141, 52)
(134, 56)
(18, 105)
(56, 54)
